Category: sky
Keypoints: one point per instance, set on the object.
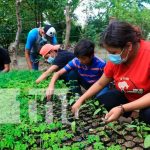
(81, 12)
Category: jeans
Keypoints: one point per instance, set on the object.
(34, 61)
(114, 98)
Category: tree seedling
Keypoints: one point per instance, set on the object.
(73, 126)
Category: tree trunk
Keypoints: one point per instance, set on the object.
(15, 45)
(68, 27)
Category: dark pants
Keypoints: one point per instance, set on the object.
(76, 81)
(114, 98)
(35, 61)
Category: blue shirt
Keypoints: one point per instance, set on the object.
(32, 38)
(89, 73)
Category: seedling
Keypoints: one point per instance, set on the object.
(73, 126)
(114, 147)
(147, 142)
(99, 146)
(140, 128)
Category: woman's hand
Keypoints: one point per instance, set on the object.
(113, 114)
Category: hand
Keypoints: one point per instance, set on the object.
(76, 106)
(113, 114)
(37, 81)
(49, 93)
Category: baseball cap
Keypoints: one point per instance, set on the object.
(49, 30)
(48, 47)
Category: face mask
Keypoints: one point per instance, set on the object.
(50, 60)
(116, 58)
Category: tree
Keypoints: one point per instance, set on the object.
(15, 45)
(68, 26)
(132, 11)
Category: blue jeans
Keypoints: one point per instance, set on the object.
(114, 98)
(34, 61)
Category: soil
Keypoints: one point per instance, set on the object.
(22, 64)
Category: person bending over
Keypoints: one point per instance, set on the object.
(57, 58)
(85, 69)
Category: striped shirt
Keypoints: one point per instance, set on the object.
(89, 73)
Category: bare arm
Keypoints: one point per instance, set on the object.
(140, 103)
(96, 87)
(27, 56)
(6, 68)
(52, 69)
(55, 77)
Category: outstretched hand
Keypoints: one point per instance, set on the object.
(76, 106)
(113, 114)
(49, 93)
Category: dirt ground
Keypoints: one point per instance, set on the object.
(22, 64)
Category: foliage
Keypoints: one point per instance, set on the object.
(73, 126)
(99, 146)
(140, 127)
(93, 138)
(34, 14)
(146, 142)
(21, 135)
(114, 147)
(130, 10)
(38, 134)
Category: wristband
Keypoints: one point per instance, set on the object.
(122, 109)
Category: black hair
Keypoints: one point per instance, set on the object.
(84, 48)
(117, 34)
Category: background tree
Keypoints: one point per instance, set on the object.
(34, 13)
(132, 11)
(15, 45)
(68, 14)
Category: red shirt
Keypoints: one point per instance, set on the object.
(133, 79)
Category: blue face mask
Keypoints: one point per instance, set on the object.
(116, 58)
(50, 60)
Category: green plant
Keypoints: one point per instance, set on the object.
(93, 138)
(114, 147)
(147, 141)
(78, 146)
(20, 146)
(100, 110)
(99, 146)
(73, 126)
(113, 127)
(45, 136)
(140, 127)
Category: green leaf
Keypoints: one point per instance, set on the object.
(73, 126)
(97, 111)
(147, 142)
(96, 103)
(146, 128)
(45, 136)
(71, 101)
